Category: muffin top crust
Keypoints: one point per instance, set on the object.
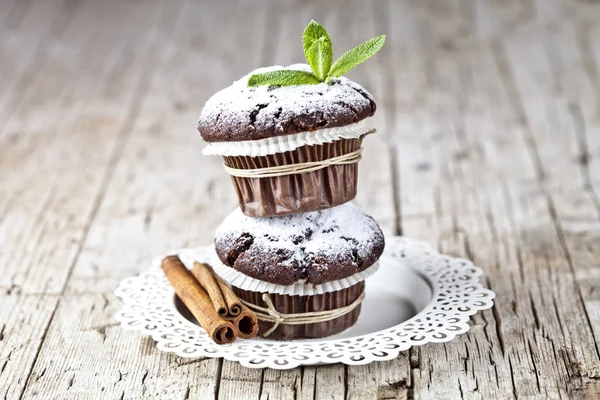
(239, 112)
(317, 247)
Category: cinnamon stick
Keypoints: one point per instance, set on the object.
(198, 301)
(246, 323)
(243, 318)
(213, 283)
(205, 276)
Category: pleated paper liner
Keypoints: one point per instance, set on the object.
(245, 282)
(287, 304)
(310, 191)
(283, 143)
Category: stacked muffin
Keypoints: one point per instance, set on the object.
(296, 251)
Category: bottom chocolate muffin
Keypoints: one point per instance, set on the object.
(315, 247)
(286, 304)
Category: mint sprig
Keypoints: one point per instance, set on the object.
(283, 77)
(318, 52)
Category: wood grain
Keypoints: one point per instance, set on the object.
(488, 147)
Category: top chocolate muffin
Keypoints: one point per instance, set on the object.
(239, 112)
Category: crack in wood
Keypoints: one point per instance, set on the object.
(315, 386)
(557, 315)
(512, 379)
(105, 300)
(498, 324)
(535, 369)
(295, 387)
(397, 204)
(101, 329)
(4, 365)
(393, 390)
(584, 157)
(13, 289)
(70, 382)
(493, 364)
(147, 220)
(144, 376)
(414, 357)
(466, 359)
(262, 382)
(41, 375)
(194, 361)
(536, 318)
(218, 377)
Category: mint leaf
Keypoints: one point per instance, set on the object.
(318, 50)
(320, 57)
(357, 55)
(283, 78)
(313, 32)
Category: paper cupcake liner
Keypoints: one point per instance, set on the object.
(238, 279)
(281, 144)
(311, 191)
(287, 304)
(245, 282)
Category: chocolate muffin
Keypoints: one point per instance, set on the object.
(314, 247)
(289, 149)
(314, 250)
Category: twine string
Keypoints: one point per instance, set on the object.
(299, 168)
(270, 313)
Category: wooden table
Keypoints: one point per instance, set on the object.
(488, 148)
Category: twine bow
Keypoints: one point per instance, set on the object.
(270, 313)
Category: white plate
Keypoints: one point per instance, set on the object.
(417, 296)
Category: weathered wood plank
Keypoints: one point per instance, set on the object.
(278, 384)
(470, 192)
(43, 222)
(425, 145)
(23, 320)
(467, 186)
(138, 204)
(29, 31)
(10, 7)
(557, 142)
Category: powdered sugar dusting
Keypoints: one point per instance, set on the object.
(262, 111)
(315, 240)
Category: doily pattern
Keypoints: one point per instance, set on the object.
(457, 294)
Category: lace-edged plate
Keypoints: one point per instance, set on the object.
(416, 297)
